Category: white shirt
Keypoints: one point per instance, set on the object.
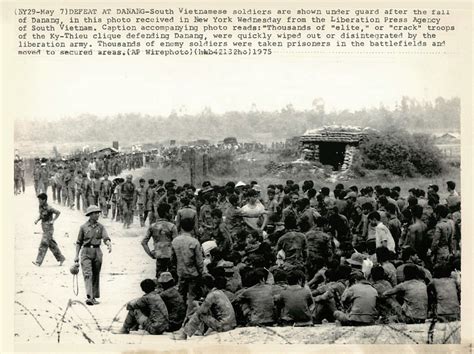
(382, 233)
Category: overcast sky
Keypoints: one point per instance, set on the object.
(50, 88)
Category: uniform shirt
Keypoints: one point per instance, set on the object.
(391, 272)
(233, 218)
(259, 298)
(46, 213)
(205, 218)
(127, 191)
(95, 186)
(78, 183)
(218, 305)
(445, 295)
(92, 234)
(163, 233)
(294, 245)
(106, 188)
(362, 298)
(443, 235)
(387, 306)
(340, 227)
(175, 305)
(296, 302)
(287, 211)
(188, 254)
(319, 244)
(401, 275)
(415, 298)
(36, 173)
(395, 227)
(153, 306)
(223, 239)
(87, 186)
(43, 174)
(311, 215)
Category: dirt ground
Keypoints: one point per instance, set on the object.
(47, 310)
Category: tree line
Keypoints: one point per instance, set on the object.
(409, 113)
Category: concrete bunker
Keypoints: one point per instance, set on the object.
(332, 145)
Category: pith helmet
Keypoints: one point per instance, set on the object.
(92, 209)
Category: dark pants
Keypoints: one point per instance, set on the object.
(188, 288)
(345, 321)
(162, 265)
(127, 209)
(370, 246)
(136, 317)
(199, 320)
(58, 193)
(54, 189)
(48, 242)
(91, 263)
(104, 205)
(78, 199)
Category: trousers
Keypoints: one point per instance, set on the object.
(48, 242)
(91, 263)
(137, 317)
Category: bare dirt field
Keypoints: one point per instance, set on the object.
(47, 310)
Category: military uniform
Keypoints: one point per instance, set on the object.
(47, 241)
(141, 203)
(127, 193)
(163, 233)
(149, 311)
(90, 238)
(216, 312)
(176, 307)
(105, 194)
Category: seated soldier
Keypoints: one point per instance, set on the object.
(148, 311)
(327, 296)
(295, 301)
(383, 259)
(409, 256)
(173, 300)
(414, 293)
(281, 281)
(257, 300)
(361, 299)
(389, 308)
(216, 312)
(443, 295)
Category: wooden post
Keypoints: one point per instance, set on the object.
(205, 164)
(192, 166)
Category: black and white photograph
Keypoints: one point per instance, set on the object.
(299, 197)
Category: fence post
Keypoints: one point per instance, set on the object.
(192, 166)
(205, 164)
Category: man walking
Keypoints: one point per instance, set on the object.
(128, 195)
(90, 238)
(47, 221)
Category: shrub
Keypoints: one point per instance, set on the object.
(401, 153)
(221, 163)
